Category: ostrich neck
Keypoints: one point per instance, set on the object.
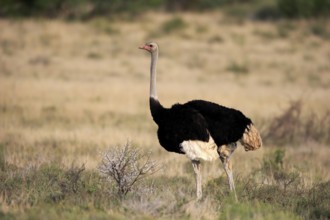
(153, 89)
(155, 107)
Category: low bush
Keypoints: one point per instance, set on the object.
(126, 166)
(292, 127)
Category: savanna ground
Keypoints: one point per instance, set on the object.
(71, 90)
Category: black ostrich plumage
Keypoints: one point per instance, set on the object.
(197, 120)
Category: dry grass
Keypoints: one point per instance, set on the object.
(70, 90)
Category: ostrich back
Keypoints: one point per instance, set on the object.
(226, 125)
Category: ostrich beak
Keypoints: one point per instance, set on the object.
(144, 47)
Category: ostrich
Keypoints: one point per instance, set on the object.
(200, 129)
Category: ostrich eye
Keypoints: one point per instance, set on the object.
(151, 45)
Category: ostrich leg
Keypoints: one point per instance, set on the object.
(225, 152)
(229, 171)
(197, 169)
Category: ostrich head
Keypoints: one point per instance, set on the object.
(150, 47)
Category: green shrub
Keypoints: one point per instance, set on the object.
(304, 8)
(73, 8)
(316, 202)
(276, 185)
(272, 9)
(50, 183)
(49, 8)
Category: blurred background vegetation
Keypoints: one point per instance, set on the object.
(85, 9)
(73, 88)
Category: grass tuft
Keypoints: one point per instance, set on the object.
(238, 69)
(173, 25)
(254, 210)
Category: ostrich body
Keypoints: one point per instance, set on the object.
(200, 129)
